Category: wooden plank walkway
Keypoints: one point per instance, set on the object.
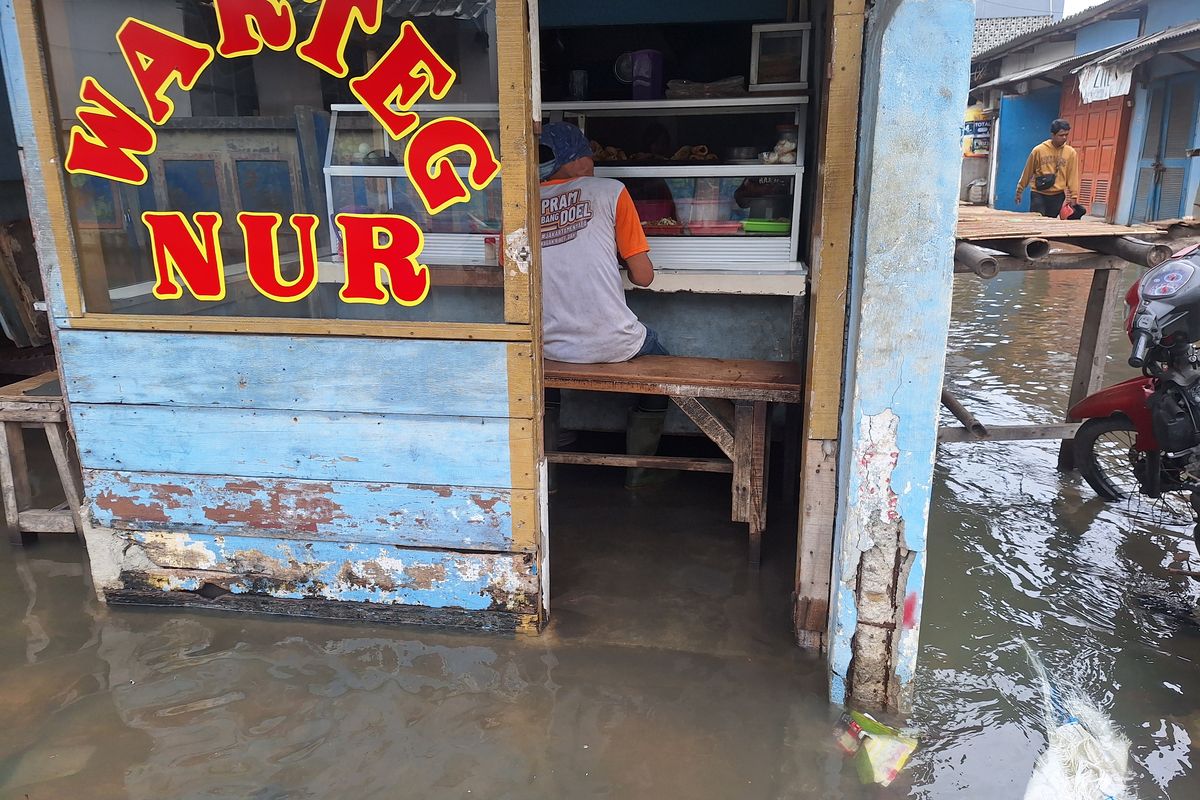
(977, 223)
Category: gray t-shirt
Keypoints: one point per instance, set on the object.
(586, 223)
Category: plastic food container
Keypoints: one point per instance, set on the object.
(662, 230)
(701, 211)
(715, 228)
(654, 210)
(771, 206)
(766, 226)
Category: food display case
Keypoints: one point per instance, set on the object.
(718, 183)
(364, 173)
(726, 192)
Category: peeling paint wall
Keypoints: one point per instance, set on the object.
(393, 474)
(913, 96)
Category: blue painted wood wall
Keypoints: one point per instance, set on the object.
(376, 470)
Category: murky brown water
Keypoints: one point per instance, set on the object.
(651, 683)
(1019, 549)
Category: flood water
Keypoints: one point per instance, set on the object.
(653, 681)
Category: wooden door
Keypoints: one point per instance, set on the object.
(1098, 132)
(1163, 164)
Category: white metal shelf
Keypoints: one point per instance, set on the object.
(349, 171)
(693, 169)
(752, 104)
(701, 169)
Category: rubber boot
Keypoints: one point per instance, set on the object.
(550, 434)
(642, 435)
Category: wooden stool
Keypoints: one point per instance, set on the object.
(36, 403)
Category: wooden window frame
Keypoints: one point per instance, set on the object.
(519, 188)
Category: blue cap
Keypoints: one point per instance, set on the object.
(567, 143)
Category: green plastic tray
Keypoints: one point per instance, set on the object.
(766, 226)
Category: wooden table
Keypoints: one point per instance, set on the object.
(729, 401)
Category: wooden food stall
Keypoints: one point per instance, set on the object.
(295, 448)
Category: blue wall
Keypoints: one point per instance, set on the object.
(912, 102)
(1024, 123)
(572, 13)
(1105, 34)
(1163, 14)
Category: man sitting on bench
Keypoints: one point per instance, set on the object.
(586, 223)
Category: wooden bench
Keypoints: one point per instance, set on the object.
(36, 403)
(729, 401)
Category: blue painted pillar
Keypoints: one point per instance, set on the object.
(916, 60)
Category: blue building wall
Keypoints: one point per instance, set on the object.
(1024, 123)
(1105, 34)
(1162, 14)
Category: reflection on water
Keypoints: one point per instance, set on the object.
(1019, 549)
(105, 703)
(156, 704)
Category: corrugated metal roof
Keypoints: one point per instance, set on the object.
(1132, 53)
(1040, 70)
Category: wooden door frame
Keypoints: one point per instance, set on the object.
(829, 283)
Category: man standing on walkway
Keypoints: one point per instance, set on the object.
(1051, 172)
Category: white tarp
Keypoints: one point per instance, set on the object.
(1098, 83)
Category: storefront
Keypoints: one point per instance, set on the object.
(297, 299)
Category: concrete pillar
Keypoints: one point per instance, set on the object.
(916, 61)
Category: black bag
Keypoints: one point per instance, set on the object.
(1044, 183)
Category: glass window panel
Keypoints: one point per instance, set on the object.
(270, 133)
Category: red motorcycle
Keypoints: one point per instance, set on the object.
(1143, 435)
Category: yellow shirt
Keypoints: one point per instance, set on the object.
(1061, 162)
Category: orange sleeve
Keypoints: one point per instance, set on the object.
(631, 239)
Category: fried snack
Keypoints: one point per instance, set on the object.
(682, 153)
(700, 150)
(596, 146)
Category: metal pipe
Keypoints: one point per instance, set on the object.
(1126, 247)
(960, 412)
(1031, 249)
(975, 259)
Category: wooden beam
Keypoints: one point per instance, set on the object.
(1092, 355)
(64, 461)
(47, 521)
(1008, 433)
(1052, 263)
(481, 332)
(648, 462)
(818, 507)
(521, 245)
(713, 426)
(49, 157)
(834, 204)
(830, 265)
(519, 252)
